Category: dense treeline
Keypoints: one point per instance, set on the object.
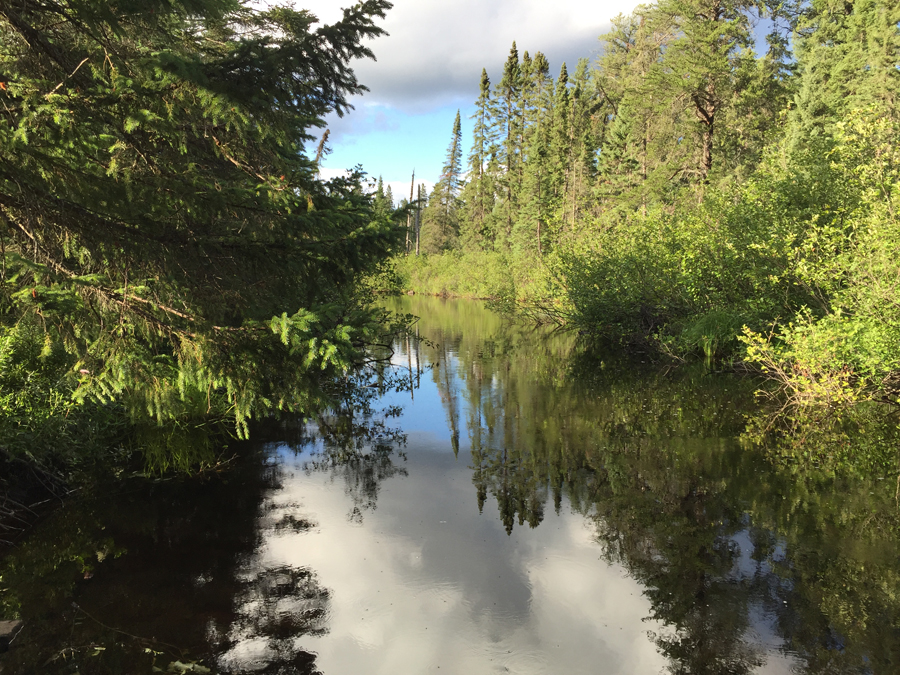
(693, 192)
(169, 254)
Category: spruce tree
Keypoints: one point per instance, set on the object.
(560, 148)
(536, 95)
(584, 103)
(442, 215)
(379, 200)
(849, 58)
(153, 166)
(531, 226)
(530, 229)
(451, 175)
(478, 193)
(507, 117)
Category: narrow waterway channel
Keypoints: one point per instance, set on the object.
(509, 505)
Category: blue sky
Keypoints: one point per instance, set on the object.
(430, 65)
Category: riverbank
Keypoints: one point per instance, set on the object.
(451, 275)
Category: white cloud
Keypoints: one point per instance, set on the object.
(437, 48)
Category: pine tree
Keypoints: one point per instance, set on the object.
(684, 95)
(699, 66)
(849, 56)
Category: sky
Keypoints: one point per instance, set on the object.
(430, 65)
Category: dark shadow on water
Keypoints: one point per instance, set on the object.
(145, 574)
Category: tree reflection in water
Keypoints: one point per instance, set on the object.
(279, 606)
(276, 608)
(140, 574)
(355, 442)
(743, 550)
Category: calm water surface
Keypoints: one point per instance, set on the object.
(509, 505)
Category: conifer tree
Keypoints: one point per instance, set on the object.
(508, 125)
(582, 141)
(560, 145)
(451, 176)
(531, 227)
(635, 160)
(421, 200)
(153, 166)
(849, 55)
(442, 215)
(699, 66)
(685, 91)
(763, 88)
(526, 85)
(478, 193)
(404, 204)
(380, 203)
(537, 95)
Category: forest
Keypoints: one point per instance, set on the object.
(696, 191)
(687, 368)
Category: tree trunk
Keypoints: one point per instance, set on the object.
(418, 220)
(409, 215)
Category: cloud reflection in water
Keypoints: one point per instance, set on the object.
(426, 582)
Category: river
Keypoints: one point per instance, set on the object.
(500, 502)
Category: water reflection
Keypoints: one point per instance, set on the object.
(277, 607)
(428, 583)
(495, 501)
(135, 576)
(752, 566)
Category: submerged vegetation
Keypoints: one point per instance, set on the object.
(695, 193)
